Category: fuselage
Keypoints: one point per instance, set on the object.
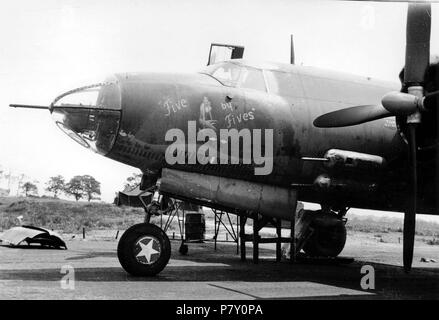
(283, 98)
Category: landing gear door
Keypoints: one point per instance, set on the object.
(222, 52)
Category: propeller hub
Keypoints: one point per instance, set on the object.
(402, 104)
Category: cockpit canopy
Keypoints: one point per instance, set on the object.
(234, 75)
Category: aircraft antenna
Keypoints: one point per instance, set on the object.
(292, 50)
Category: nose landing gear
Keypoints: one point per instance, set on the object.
(144, 250)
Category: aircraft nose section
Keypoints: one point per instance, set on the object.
(90, 115)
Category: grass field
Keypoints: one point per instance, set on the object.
(71, 217)
(387, 225)
(68, 216)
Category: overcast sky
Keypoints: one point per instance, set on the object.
(48, 47)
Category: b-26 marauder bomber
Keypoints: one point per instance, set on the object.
(254, 138)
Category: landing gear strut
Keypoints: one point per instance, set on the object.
(152, 209)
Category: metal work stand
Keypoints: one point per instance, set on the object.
(218, 216)
(256, 239)
(172, 212)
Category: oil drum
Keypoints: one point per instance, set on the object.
(195, 226)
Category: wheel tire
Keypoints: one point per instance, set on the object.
(326, 241)
(132, 244)
(183, 249)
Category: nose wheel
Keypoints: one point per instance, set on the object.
(144, 250)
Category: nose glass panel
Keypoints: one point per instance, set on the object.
(90, 115)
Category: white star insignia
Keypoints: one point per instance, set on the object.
(147, 250)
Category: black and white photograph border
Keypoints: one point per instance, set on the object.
(232, 151)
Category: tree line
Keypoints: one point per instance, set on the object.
(79, 187)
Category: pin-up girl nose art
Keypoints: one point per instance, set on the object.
(206, 120)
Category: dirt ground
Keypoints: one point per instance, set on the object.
(208, 274)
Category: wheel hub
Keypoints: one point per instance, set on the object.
(147, 250)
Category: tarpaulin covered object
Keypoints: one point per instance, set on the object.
(130, 196)
(16, 236)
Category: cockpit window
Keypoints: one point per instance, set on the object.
(253, 79)
(225, 72)
(84, 98)
(284, 83)
(90, 115)
(102, 95)
(233, 75)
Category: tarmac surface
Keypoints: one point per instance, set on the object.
(207, 274)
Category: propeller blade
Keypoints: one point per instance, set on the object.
(351, 116)
(410, 214)
(417, 59)
(28, 106)
(417, 54)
